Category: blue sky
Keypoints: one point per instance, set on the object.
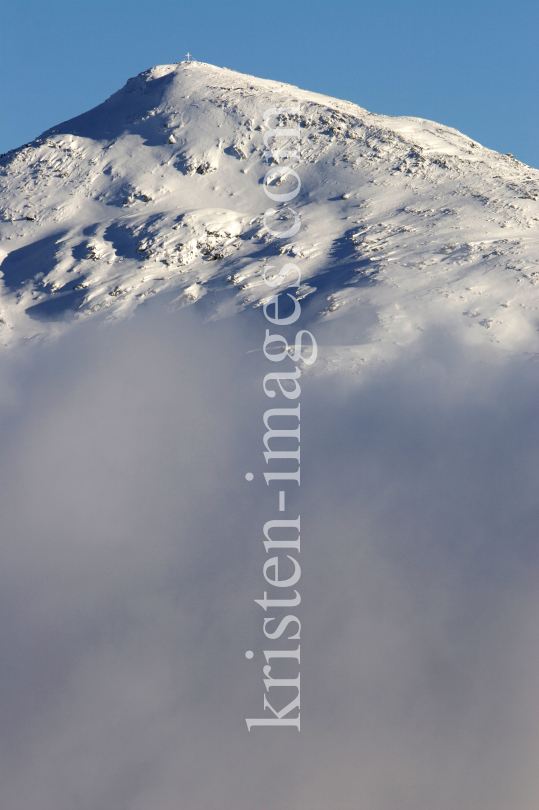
(471, 65)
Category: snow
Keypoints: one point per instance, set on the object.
(157, 192)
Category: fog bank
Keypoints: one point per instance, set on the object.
(132, 555)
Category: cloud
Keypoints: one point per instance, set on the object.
(132, 555)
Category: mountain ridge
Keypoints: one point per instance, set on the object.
(406, 224)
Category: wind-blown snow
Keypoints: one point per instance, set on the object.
(405, 223)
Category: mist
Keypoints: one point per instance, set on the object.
(132, 555)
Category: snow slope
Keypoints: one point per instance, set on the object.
(405, 223)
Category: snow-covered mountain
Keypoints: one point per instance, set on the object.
(133, 498)
(405, 223)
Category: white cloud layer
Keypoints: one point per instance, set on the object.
(132, 553)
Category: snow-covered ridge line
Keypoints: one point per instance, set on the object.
(407, 223)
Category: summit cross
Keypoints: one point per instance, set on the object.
(188, 57)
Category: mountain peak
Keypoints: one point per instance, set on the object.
(158, 192)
